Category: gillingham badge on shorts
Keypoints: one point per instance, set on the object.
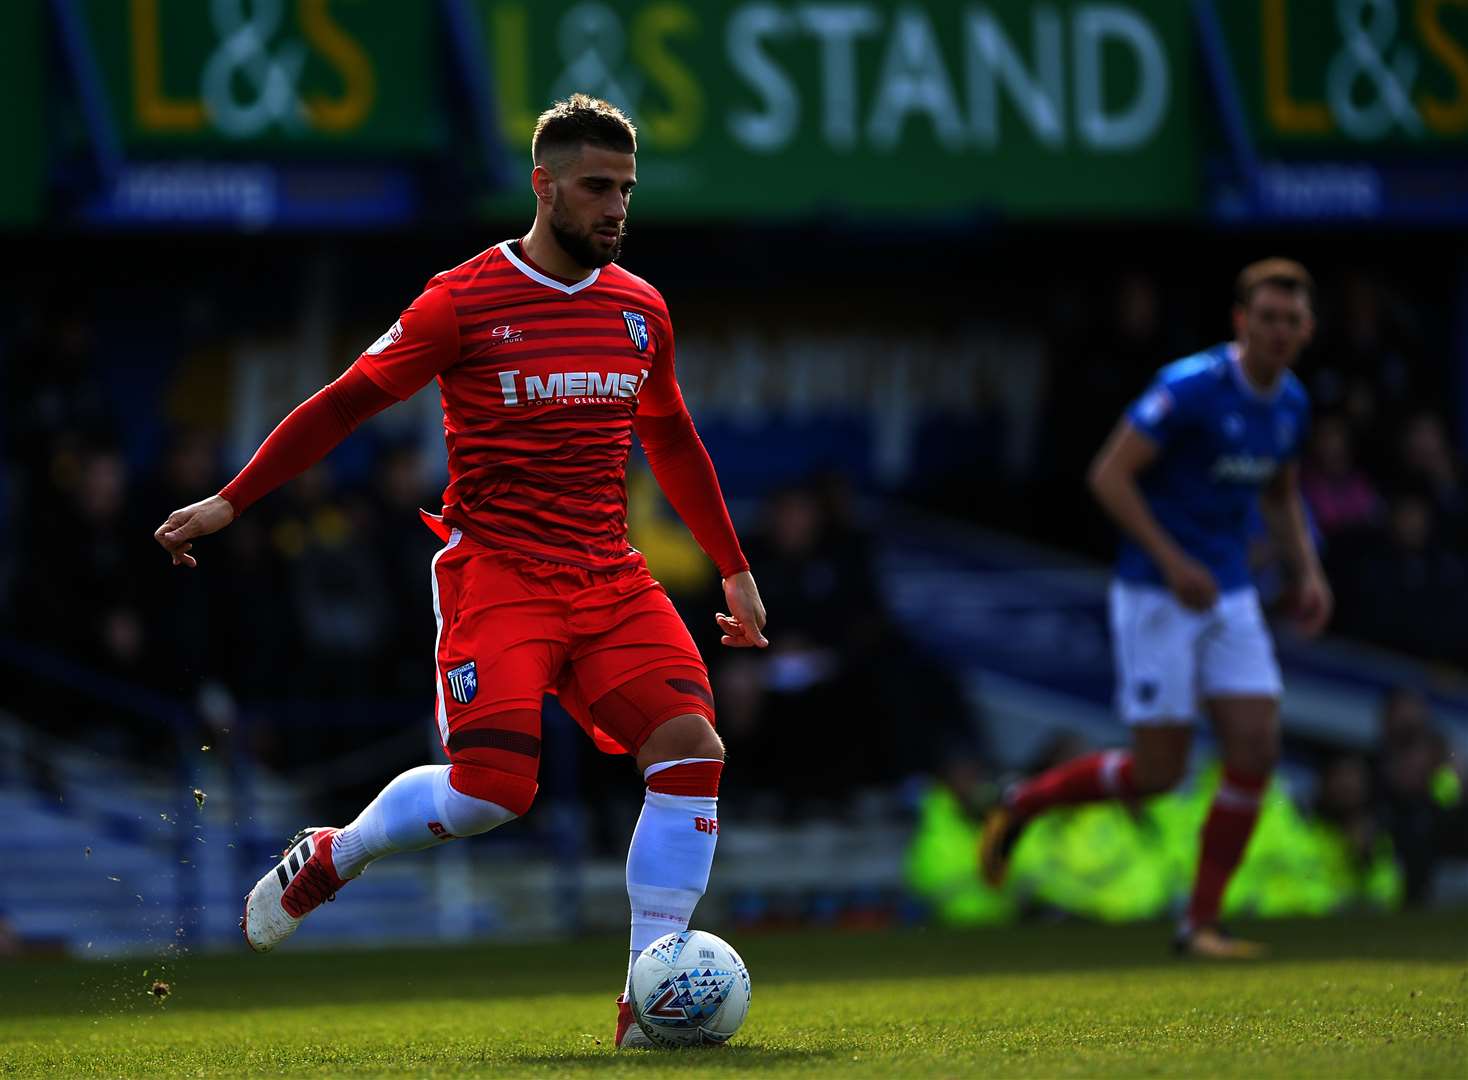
(464, 683)
(636, 329)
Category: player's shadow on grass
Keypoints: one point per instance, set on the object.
(738, 1058)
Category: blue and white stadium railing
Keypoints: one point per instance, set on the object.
(120, 858)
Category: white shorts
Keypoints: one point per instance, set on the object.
(1169, 657)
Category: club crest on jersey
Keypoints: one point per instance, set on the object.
(636, 329)
(394, 332)
(464, 682)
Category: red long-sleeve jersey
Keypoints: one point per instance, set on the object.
(542, 384)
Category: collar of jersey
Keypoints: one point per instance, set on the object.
(1236, 366)
(535, 275)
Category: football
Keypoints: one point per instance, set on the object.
(689, 988)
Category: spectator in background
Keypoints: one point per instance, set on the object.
(839, 663)
(1340, 495)
(404, 548)
(54, 400)
(53, 412)
(809, 671)
(909, 682)
(186, 626)
(1344, 803)
(81, 597)
(1101, 364)
(1427, 463)
(90, 569)
(254, 636)
(1366, 361)
(942, 862)
(1403, 717)
(1420, 791)
(340, 599)
(1405, 589)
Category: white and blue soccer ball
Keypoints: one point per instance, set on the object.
(689, 988)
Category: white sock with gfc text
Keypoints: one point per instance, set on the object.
(672, 849)
(403, 818)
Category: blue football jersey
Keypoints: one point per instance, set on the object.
(1220, 440)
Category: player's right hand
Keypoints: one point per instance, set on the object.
(743, 627)
(183, 526)
(1191, 583)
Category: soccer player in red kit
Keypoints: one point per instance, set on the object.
(548, 356)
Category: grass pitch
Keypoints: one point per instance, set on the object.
(1339, 998)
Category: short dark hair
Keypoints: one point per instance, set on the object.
(581, 120)
(1282, 273)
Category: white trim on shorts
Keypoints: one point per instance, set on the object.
(441, 708)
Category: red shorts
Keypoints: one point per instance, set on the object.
(512, 628)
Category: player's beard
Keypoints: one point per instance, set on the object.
(581, 245)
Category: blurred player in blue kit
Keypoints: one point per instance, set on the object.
(1215, 435)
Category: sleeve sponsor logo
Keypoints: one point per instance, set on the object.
(394, 332)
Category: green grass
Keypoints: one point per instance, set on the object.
(1365, 998)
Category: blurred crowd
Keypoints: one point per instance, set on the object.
(1338, 831)
(1410, 790)
(828, 710)
(317, 594)
(1392, 514)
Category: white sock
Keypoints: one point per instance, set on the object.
(668, 863)
(403, 818)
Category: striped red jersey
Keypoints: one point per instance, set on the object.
(540, 382)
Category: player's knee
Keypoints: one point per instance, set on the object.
(496, 758)
(699, 739)
(662, 715)
(687, 736)
(1156, 777)
(493, 787)
(464, 814)
(1252, 759)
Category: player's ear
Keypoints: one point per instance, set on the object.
(1241, 322)
(543, 183)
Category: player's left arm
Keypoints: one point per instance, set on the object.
(681, 465)
(1284, 513)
